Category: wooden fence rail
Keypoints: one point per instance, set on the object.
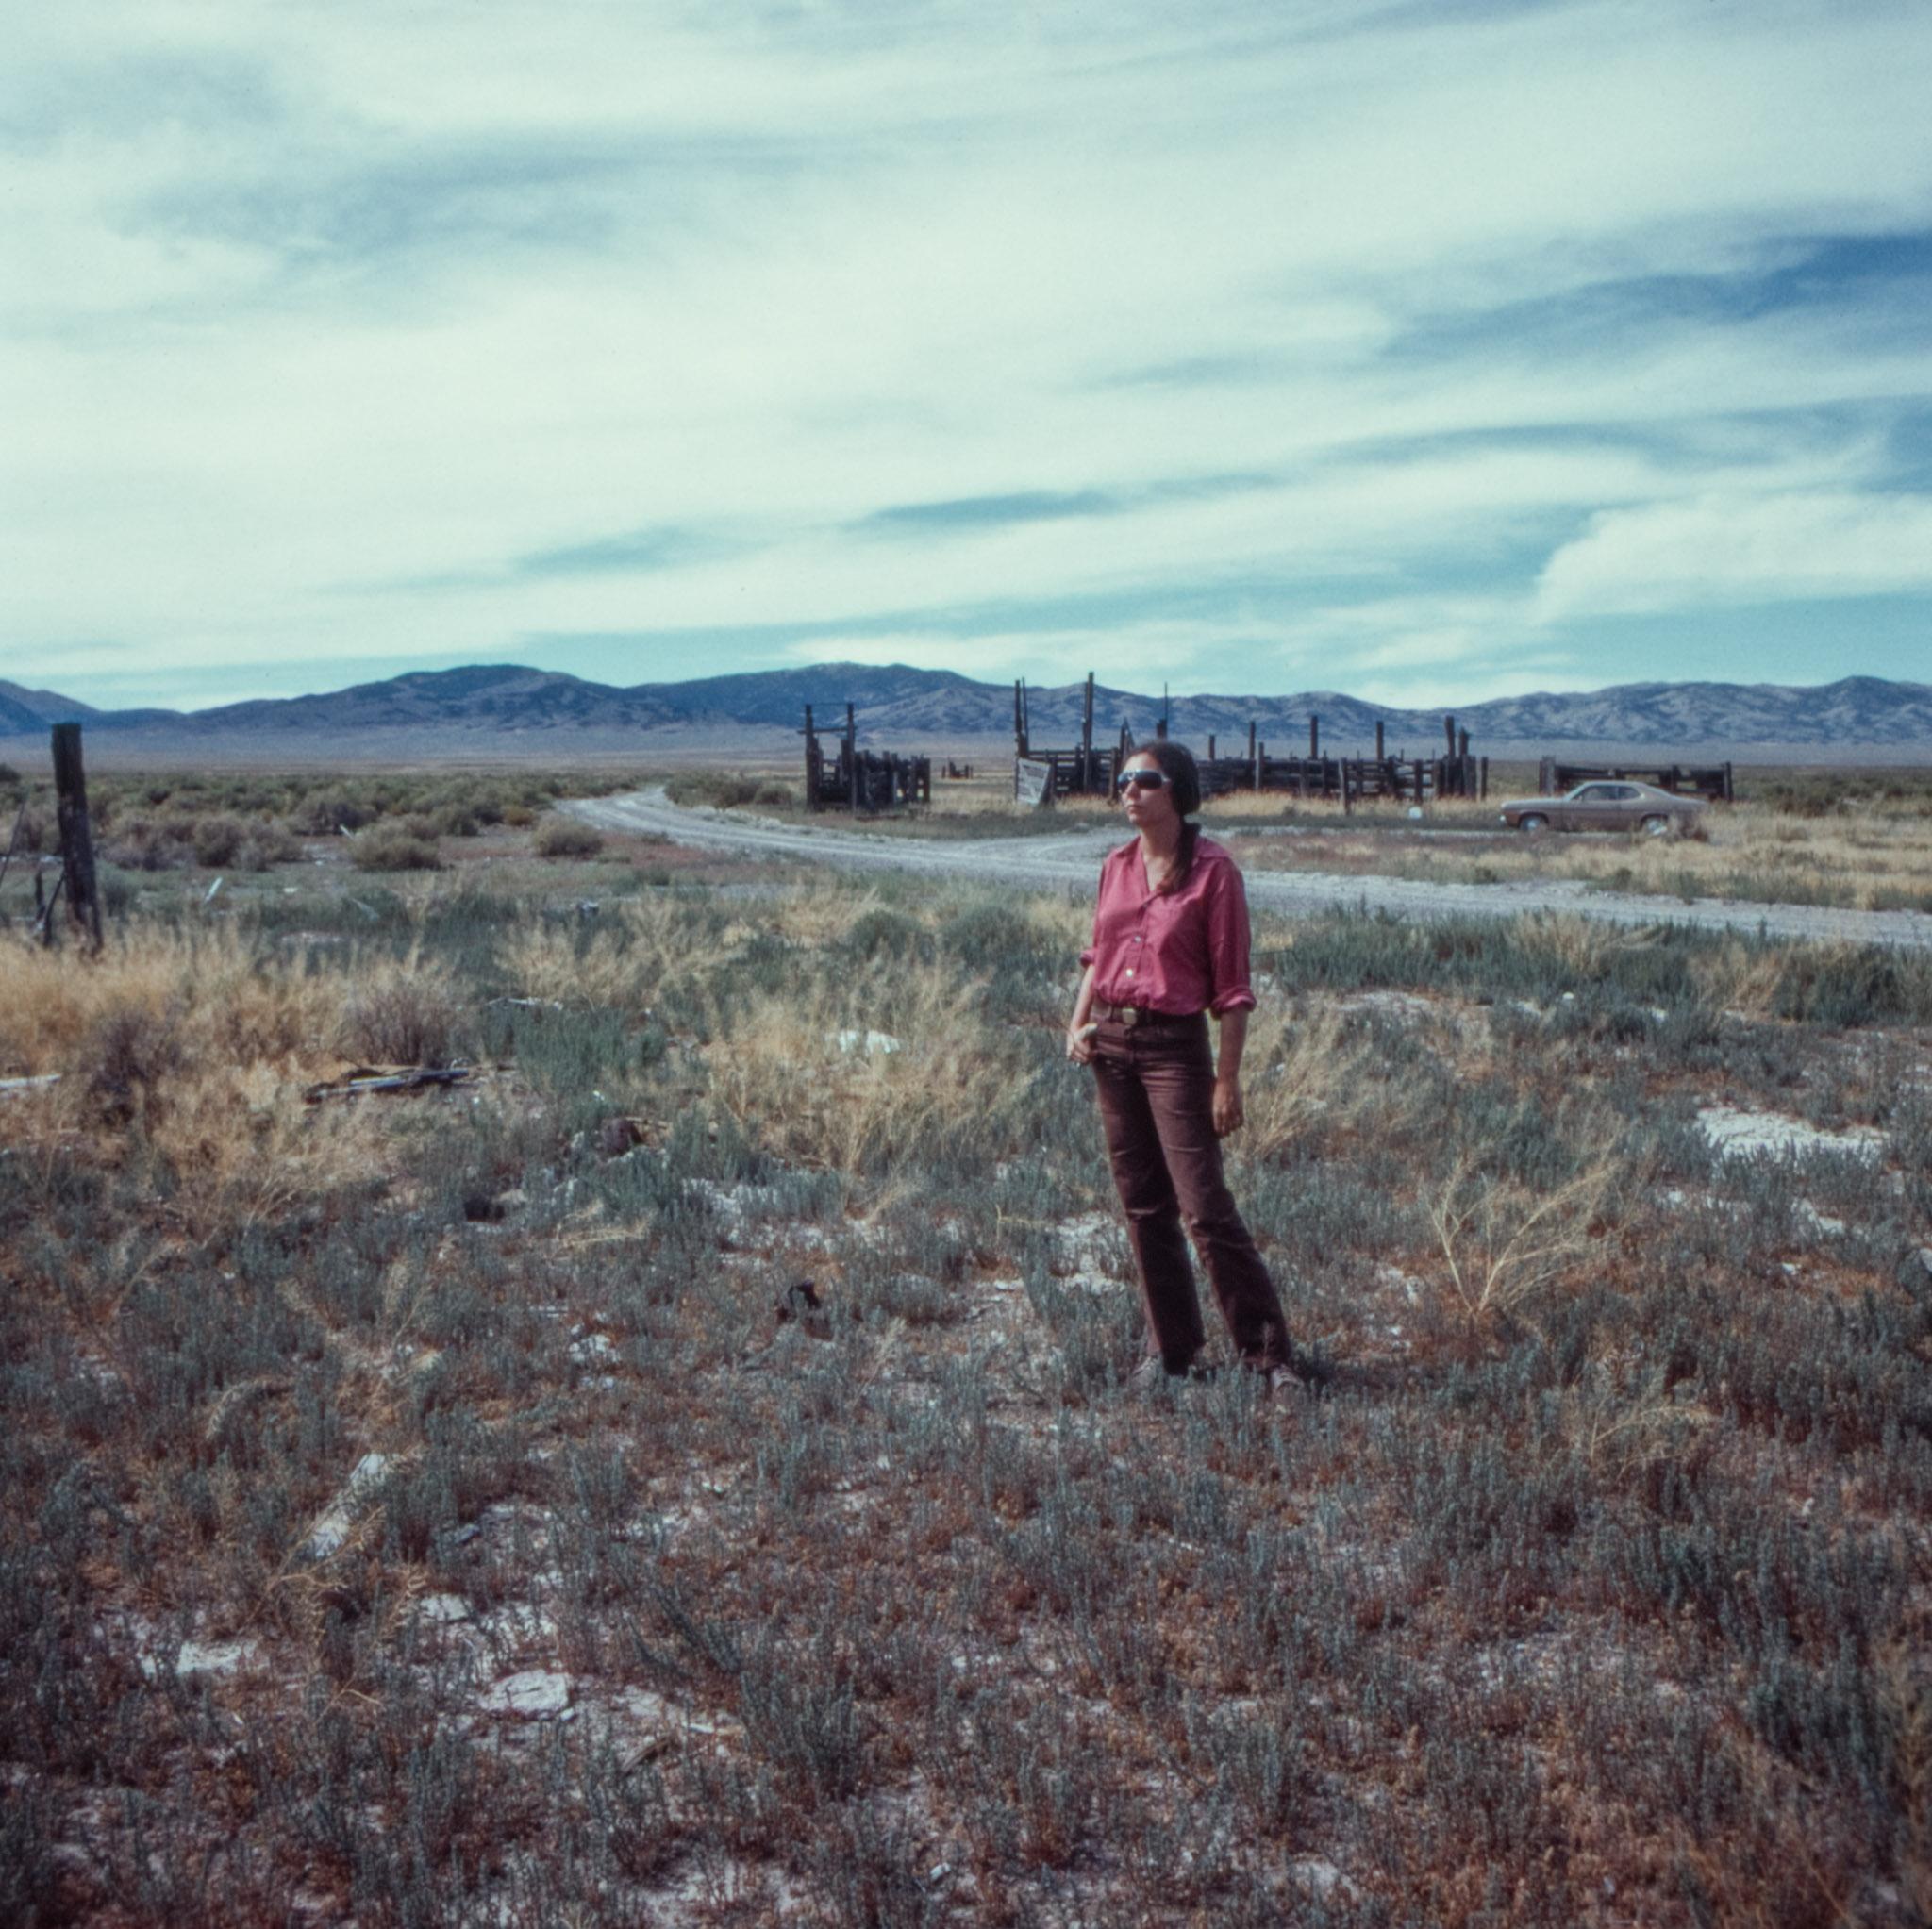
(1712, 781)
(860, 780)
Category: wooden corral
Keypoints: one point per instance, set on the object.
(1353, 779)
(1083, 771)
(860, 780)
(1710, 781)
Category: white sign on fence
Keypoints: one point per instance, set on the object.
(1032, 782)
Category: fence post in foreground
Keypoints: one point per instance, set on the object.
(77, 833)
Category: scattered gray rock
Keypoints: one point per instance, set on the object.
(206, 1659)
(534, 1694)
(339, 1518)
(1735, 1133)
(1915, 1270)
(869, 1042)
(1321, 1879)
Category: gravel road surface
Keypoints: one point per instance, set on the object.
(1073, 861)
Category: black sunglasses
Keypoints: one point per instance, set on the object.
(1141, 780)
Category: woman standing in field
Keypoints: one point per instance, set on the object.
(1170, 946)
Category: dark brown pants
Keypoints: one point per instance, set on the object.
(1156, 1100)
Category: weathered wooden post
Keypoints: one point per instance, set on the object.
(1211, 746)
(77, 833)
(852, 756)
(1019, 745)
(1314, 736)
(1087, 783)
(1257, 750)
(812, 763)
(1418, 780)
(1483, 781)
(1381, 757)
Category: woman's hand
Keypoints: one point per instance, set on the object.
(1080, 1042)
(1229, 1114)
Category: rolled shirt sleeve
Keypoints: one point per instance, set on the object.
(1227, 940)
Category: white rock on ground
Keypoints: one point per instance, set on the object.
(866, 1041)
(332, 1528)
(1739, 1133)
(206, 1658)
(537, 1694)
(1322, 1878)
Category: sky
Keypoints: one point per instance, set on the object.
(1425, 350)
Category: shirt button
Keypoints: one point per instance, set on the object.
(1130, 970)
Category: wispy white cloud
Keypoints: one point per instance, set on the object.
(340, 332)
(1740, 549)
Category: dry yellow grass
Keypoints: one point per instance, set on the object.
(204, 1045)
(1303, 1076)
(812, 1083)
(1862, 861)
(1504, 1245)
(655, 946)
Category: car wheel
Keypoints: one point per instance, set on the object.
(1656, 826)
(1533, 822)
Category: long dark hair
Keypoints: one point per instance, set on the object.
(1175, 762)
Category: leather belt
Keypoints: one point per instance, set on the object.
(1137, 1017)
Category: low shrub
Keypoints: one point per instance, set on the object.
(564, 837)
(730, 791)
(403, 1012)
(217, 840)
(391, 847)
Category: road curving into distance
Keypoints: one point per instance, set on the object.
(1072, 862)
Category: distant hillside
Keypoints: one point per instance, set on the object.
(505, 709)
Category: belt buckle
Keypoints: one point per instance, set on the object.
(1129, 1015)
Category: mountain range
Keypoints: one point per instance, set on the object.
(505, 710)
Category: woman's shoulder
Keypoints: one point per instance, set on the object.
(1208, 852)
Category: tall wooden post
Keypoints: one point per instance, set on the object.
(77, 833)
(1483, 781)
(812, 763)
(1381, 755)
(1087, 783)
(1314, 736)
(1211, 746)
(852, 755)
(1020, 747)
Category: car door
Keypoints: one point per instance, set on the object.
(1623, 807)
(1588, 806)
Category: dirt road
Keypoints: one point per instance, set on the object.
(1072, 862)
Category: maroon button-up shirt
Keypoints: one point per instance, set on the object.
(1175, 950)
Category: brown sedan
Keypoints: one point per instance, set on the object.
(1607, 806)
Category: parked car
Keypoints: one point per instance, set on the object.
(1606, 806)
